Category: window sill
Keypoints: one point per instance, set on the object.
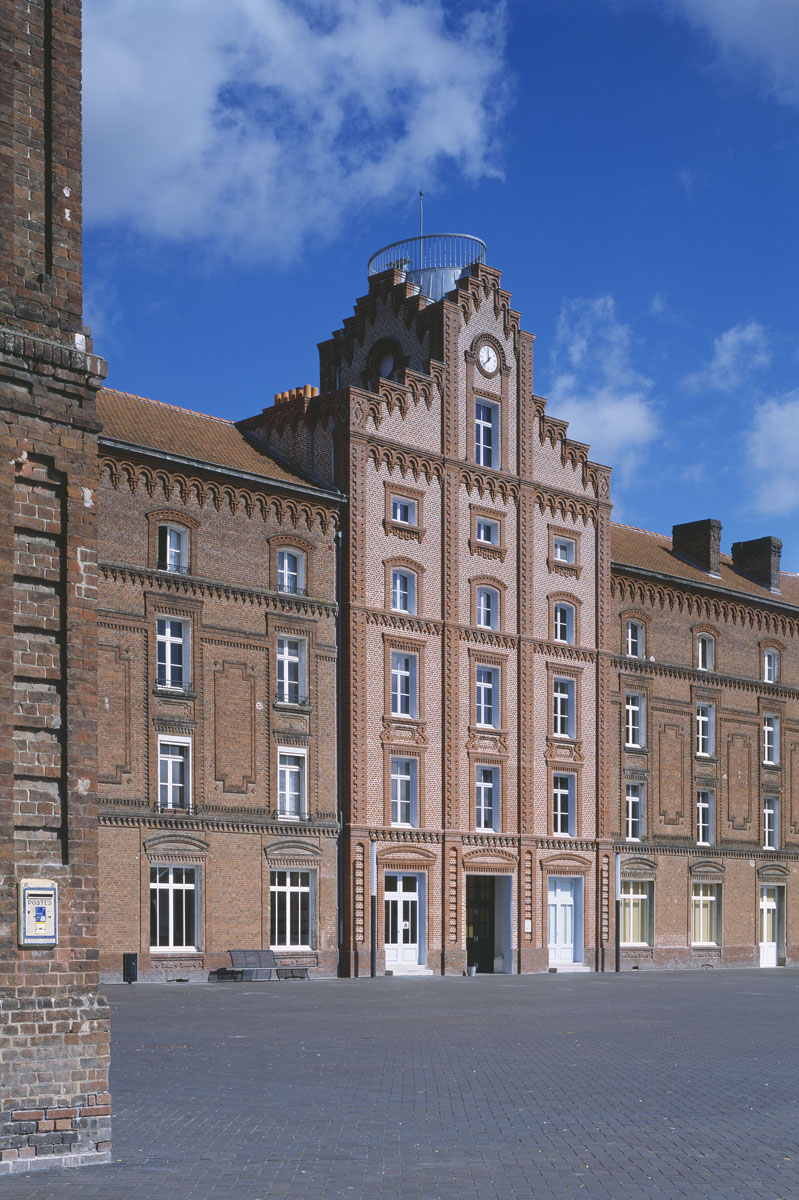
(564, 568)
(487, 549)
(631, 748)
(164, 692)
(303, 706)
(410, 533)
(174, 950)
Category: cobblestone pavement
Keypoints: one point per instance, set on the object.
(664, 1085)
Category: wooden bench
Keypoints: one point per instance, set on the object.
(255, 966)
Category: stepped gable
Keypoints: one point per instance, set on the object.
(633, 547)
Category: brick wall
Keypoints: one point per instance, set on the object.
(230, 832)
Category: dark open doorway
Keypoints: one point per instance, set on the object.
(480, 923)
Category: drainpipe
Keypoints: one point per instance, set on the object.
(618, 911)
(340, 744)
(373, 896)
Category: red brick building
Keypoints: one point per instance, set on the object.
(704, 710)
(476, 611)
(217, 696)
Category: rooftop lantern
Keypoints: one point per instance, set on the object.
(434, 262)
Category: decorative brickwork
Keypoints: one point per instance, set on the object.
(53, 1025)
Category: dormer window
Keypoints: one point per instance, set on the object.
(173, 548)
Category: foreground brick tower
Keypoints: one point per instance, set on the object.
(53, 1025)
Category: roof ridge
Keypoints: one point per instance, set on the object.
(162, 404)
(639, 529)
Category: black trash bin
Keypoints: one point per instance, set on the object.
(130, 968)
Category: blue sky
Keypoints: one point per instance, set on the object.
(631, 165)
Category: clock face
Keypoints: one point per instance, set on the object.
(488, 359)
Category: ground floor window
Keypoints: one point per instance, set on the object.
(706, 914)
(290, 904)
(636, 912)
(173, 908)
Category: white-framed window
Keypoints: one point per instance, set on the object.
(705, 652)
(486, 531)
(636, 912)
(771, 666)
(172, 653)
(563, 622)
(404, 510)
(487, 607)
(705, 730)
(563, 706)
(634, 812)
(291, 906)
(291, 784)
(635, 639)
(403, 591)
(174, 772)
(564, 805)
(291, 659)
(771, 739)
(403, 684)
(173, 908)
(404, 791)
(486, 691)
(705, 914)
(634, 720)
(291, 571)
(486, 434)
(486, 797)
(705, 816)
(173, 548)
(563, 549)
(771, 809)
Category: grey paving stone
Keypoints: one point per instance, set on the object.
(647, 1087)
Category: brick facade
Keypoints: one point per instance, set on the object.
(717, 764)
(188, 653)
(54, 1105)
(474, 526)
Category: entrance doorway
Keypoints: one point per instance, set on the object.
(402, 919)
(489, 924)
(480, 923)
(565, 920)
(769, 925)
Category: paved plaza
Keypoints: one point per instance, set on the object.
(642, 1085)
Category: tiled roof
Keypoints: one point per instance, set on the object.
(652, 552)
(212, 440)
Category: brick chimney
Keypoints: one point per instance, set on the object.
(759, 560)
(699, 542)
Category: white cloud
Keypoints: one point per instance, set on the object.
(596, 388)
(737, 353)
(759, 34)
(772, 449)
(260, 123)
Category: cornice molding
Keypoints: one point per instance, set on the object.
(258, 499)
(194, 585)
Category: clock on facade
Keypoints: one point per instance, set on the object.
(487, 357)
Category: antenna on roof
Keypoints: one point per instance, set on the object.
(421, 214)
